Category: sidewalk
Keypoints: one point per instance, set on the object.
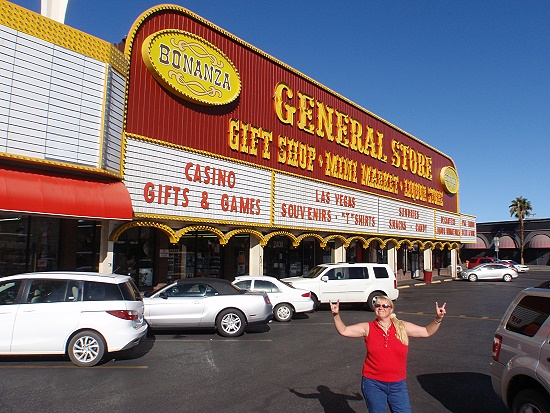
(415, 282)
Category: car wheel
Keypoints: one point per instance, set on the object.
(283, 312)
(530, 401)
(372, 299)
(230, 323)
(472, 277)
(86, 349)
(507, 277)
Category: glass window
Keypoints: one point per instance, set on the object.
(529, 315)
(9, 291)
(381, 272)
(244, 285)
(356, 273)
(48, 291)
(130, 291)
(98, 291)
(265, 286)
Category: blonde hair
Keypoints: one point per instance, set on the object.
(401, 332)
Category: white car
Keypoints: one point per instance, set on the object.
(348, 282)
(490, 272)
(206, 303)
(286, 299)
(518, 267)
(83, 315)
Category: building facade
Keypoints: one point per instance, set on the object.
(228, 161)
(503, 240)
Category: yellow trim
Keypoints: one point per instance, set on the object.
(319, 238)
(257, 234)
(61, 165)
(180, 233)
(163, 227)
(175, 236)
(287, 234)
(34, 24)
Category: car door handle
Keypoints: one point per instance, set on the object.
(196, 302)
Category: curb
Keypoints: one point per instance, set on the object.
(419, 284)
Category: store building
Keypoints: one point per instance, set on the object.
(503, 240)
(227, 160)
(61, 107)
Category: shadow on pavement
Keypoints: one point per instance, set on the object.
(330, 401)
(463, 392)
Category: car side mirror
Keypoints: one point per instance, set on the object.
(163, 295)
(324, 278)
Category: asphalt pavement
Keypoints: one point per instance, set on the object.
(437, 279)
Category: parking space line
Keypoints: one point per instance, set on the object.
(485, 318)
(70, 367)
(206, 340)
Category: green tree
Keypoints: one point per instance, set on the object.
(521, 208)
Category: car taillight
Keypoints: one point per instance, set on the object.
(308, 294)
(395, 284)
(125, 314)
(497, 343)
(266, 299)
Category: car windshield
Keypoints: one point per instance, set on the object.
(314, 272)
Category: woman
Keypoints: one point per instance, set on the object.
(386, 339)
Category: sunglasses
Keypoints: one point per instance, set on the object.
(382, 305)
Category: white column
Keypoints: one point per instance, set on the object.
(392, 257)
(106, 247)
(427, 259)
(256, 257)
(339, 252)
(454, 262)
(54, 9)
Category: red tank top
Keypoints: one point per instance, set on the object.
(386, 358)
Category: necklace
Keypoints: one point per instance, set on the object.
(385, 333)
(383, 327)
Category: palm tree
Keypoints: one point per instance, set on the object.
(521, 208)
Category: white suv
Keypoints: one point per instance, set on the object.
(348, 282)
(520, 370)
(83, 315)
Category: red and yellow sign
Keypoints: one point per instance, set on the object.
(270, 115)
(191, 68)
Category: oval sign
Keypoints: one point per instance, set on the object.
(449, 179)
(191, 68)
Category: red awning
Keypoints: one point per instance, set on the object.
(479, 245)
(51, 194)
(540, 241)
(506, 242)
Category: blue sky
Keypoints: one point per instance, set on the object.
(469, 78)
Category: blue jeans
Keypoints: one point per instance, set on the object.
(380, 393)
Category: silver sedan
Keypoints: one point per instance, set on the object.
(206, 303)
(489, 272)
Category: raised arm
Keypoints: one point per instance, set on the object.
(355, 330)
(414, 330)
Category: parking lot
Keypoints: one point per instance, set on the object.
(303, 365)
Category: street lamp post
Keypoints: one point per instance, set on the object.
(496, 241)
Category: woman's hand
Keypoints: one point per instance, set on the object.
(440, 311)
(335, 307)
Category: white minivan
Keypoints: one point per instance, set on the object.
(348, 282)
(83, 315)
